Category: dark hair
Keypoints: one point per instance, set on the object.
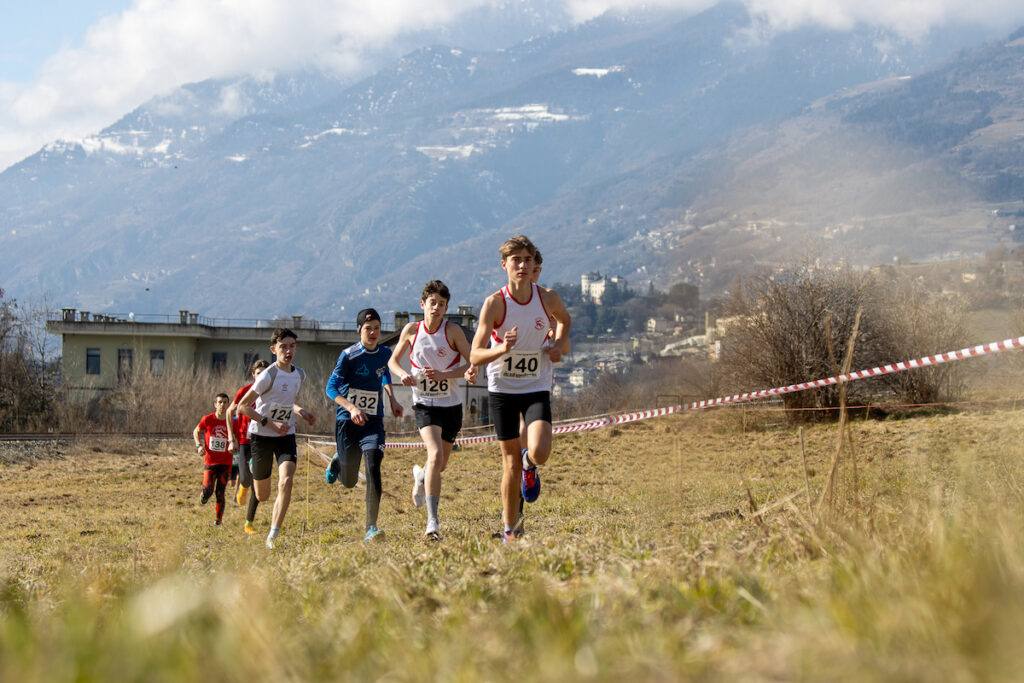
(515, 243)
(537, 258)
(436, 287)
(258, 365)
(223, 396)
(280, 333)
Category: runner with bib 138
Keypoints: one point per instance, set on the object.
(512, 341)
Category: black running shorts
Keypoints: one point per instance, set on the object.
(506, 409)
(448, 418)
(265, 448)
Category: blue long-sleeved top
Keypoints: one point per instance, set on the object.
(362, 370)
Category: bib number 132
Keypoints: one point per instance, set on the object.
(520, 365)
(366, 401)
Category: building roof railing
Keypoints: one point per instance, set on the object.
(184, 317)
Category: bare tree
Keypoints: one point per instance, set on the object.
(791, 325)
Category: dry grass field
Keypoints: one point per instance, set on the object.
(676, 548)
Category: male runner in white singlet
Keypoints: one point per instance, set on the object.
(512, 341)
(270, 404)
(438, 355)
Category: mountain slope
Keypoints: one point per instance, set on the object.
(624, 144)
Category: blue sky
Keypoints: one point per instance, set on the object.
(69, 68)
(31, 32)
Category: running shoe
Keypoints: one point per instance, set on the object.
(373, 534)
(270, 543)
(432, 536)
(243, 495)
(419, 494)
(205, 496)
(249, 528)
(511, 536)
(217, 522)
(331, 475)
(531, 480)
(517, 528)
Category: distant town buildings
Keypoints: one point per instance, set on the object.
(595, 287)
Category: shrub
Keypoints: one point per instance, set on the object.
(794, 324)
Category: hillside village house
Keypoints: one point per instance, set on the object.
(593, 286)
(99, 351)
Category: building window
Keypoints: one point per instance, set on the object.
(249, 359)
(124, 365)
(219, 363)
(156, 362)
(92, 361)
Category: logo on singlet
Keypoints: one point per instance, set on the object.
(441, 353)
(363, 371)
(538, 324)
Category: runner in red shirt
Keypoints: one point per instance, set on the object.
(240, 445)
(212, 438)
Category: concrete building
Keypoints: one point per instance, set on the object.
(99, 352)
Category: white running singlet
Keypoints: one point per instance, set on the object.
(433, 350)
(526, 368)
(277, 391)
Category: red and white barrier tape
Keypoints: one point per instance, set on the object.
(607, 420)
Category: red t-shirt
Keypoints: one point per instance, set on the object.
(215, 440)
(241, 422)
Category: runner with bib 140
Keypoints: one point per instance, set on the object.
(512, 341)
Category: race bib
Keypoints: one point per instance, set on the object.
(520, 365)
(218, 444)
(366, 401)
(432, 388)
(280, 413)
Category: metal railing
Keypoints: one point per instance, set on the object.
(188, 318)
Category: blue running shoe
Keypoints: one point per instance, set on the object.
(531, 481)
(373, 534)
(331, 474)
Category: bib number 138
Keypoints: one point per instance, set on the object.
(520, 365)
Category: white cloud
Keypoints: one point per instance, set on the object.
(126, 59)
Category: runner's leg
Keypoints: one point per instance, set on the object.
(511, 480)
(285, 476)
(374, 488)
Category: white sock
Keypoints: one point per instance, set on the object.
(274, 531)
(432, 502)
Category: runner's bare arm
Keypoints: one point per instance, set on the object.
(228, 417)
(467, 369)
(563, 323)
(394, 363)
(309, 417)
(491, 314)
(396, 407)
(197, 438)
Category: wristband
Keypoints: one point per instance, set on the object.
(263, 422)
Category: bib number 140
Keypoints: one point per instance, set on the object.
(520, 365)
